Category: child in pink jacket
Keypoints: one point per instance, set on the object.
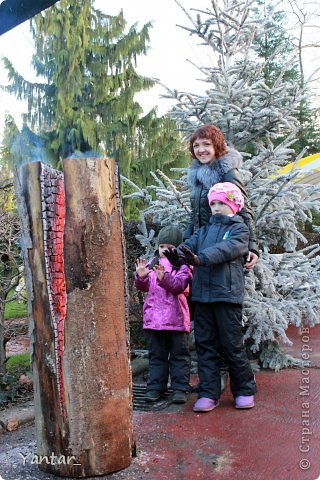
(167, 319)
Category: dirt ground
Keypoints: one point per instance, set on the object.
(16, 451)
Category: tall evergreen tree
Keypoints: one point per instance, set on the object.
(6, 174)
(86, 101)
(274, 46)
(10, 260)
(284, 287)
(158, 145)
(274, 43)
(86, 98)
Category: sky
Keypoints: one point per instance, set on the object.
(170, 47)
(167, 59)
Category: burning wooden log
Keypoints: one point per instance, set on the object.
(80, 352)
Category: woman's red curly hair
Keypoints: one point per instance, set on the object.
(214, 134)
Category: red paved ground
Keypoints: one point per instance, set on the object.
(227, 444)
(264, 443)
(261, 443)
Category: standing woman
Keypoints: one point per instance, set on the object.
(213, 162)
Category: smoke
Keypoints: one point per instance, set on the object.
(87, 154)
(26, 147)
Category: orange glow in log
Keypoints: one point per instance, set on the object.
(53, 218)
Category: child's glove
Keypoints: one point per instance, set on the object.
(174, 258)
(189, 257)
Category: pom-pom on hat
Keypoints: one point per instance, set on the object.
(170, 235)
(227, 193)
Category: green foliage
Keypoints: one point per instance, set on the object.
(86, 100)
(10, 132)
(6, 193)
(309, 133)
(6, 176)
(15, 310)
(8, 388)
(10, 267)
(19, 364)
(19, 147)
(274, 44)
(315, 217)
(159, 147)
(131, 208)
(308, 227)
(10, 260)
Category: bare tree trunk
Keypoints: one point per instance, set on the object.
(2, 341)
(80, 355)
(25, 245)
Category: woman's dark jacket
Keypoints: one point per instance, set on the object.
(202, 177)
(220, 246)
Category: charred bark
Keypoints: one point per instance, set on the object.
(81, 346)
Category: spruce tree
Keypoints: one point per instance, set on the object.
(274, 46)
(87, 61)
(159, 145)
(261, 121)
(6, 173)
(274, 43)
(85, 97)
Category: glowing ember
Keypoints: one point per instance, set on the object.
(53, 218)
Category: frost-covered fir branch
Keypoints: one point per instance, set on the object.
(284, 288)
(273, 357)
(281, 203)
(169, 204)
(282, 207)
(258, 114)
(242, 103)
(138, 193)
(147, 239)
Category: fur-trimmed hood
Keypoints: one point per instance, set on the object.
(213, 173)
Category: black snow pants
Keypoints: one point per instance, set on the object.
(218, 327)
(168, 354)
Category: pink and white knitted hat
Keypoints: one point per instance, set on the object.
(227, 193)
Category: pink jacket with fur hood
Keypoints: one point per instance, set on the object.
(166, 306)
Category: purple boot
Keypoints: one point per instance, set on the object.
(244, 401)
(204, 404)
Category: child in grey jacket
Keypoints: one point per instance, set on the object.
(218, 250)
